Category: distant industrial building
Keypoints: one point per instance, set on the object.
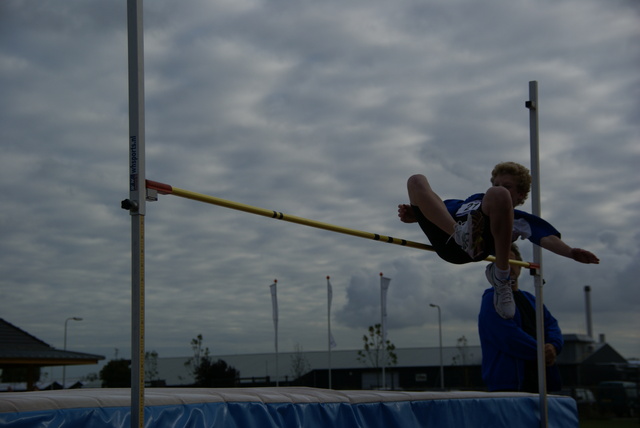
(583, 362)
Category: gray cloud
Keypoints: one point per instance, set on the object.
(317, 110)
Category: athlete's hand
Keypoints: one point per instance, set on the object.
(584, 256)
(406, 214)
(549, 354)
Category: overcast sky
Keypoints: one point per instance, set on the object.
(320, 110)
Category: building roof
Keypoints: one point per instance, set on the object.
(17, 347)
(605, 354)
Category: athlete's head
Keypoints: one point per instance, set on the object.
(519, 173)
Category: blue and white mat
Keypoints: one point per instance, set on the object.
(282, 408)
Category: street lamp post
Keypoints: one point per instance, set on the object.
(440, 334)
(64, 367)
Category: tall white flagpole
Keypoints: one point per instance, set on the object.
(329, 337)
(532, 105)
(274, 306)
(384, 286)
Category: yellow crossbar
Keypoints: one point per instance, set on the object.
(170, 190)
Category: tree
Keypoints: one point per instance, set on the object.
(299, 363)
(150, 366)
(215, 374)
(196, 347)
(463, 350)
(116, 374)
(206, 372)
(198, 354)
(463, 357)
(377, 353)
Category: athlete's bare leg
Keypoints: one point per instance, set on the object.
(422, 195)
(498, 206)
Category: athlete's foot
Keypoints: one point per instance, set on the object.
(503, 294)
(406, 214)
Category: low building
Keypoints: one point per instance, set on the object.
(582, 362)
(23, 355)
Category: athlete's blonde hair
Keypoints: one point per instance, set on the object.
(522, 175)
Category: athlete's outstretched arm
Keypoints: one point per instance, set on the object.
(558, 246)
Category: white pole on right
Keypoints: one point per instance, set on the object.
(532, 105)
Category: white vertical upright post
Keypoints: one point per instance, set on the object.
(532, 105)
(136, 205)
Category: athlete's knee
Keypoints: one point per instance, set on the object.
(417, 181)
(497, 196)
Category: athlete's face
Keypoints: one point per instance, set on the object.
(510, 183)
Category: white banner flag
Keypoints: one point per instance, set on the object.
(274, 303)
(384, 287)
